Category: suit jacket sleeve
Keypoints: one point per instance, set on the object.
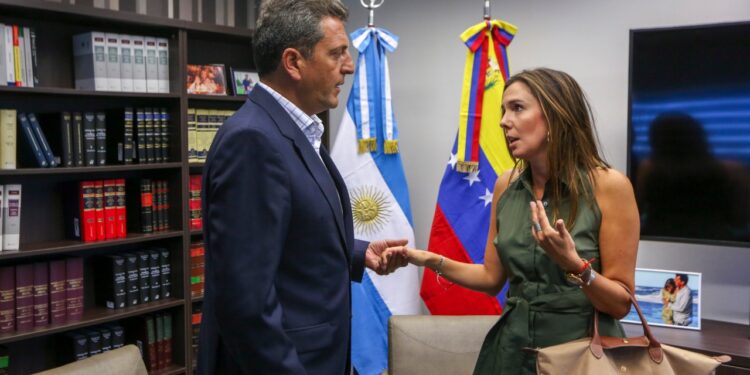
(357, 267)
(249, 212)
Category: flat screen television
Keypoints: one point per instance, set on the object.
(689, 132)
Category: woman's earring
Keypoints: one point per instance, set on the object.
(548, 140)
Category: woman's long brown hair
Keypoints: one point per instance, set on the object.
(572, 150)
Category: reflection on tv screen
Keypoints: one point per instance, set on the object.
(689, 138)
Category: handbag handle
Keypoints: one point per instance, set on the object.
(654, 347)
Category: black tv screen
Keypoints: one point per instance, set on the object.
(689, 132)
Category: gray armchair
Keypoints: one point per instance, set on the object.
(432, 344)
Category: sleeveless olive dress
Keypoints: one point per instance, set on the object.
(542, 308)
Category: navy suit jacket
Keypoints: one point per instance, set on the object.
(280, 250)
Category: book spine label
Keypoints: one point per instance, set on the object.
(101, 138)
(155, 274)
(128, 153)
(42, 139)
(144, 276)
(66, 130)
(101, 232)
(78, 151)
(12, 217)
(41, 294)
(7, 299)
(112, 44)
(147, 205)
(89, 139)
(31, 140)
(24, 297)
(8, 138)
(120, 208)
(126, 63)
(110, 209)
(139, 64)
(57, 295)
(132, 284)
(164, 135)
(74, 288)
(88, 211)
(162, 48)
(166, 273)
(152, 68)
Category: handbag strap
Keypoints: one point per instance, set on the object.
(654, 347)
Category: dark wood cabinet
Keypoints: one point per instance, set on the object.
(715, 338)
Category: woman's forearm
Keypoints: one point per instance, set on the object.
(472, 276)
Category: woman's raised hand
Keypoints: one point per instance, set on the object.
(556, 241)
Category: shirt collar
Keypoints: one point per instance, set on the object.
(311, 126)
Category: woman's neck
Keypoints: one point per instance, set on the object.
(539, 177)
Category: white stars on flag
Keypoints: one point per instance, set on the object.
(453, 160)
(487, 197)
(472, 177)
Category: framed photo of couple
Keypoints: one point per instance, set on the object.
(667, 298)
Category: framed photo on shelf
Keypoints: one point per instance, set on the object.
(206, 79)
(667, 298)
(243, 80)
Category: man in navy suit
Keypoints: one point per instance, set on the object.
(280, 249)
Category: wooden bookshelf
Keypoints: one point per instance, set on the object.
(91, 317)
(43, 223)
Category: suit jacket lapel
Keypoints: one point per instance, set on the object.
(343, 196)
(322, 177)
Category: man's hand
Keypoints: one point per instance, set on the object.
(384, 262)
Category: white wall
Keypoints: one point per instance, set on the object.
(588, 39)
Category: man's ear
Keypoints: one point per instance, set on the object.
(292, 62)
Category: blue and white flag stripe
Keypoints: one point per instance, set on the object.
(371, 87)
(380, 204)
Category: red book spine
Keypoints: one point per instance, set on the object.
(120, 210)
(88, 211)
(100, 231)
(110, 209)
(196, 220)
(74, 288)
(197, 266)
(41, 294)
(57, 296)
(7, 299)
(24, 297)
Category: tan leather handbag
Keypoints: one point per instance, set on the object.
(599, 355)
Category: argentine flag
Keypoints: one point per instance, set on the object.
(366, 154)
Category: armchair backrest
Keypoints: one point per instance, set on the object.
(432, 344)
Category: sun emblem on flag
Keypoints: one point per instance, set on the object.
(370, 209)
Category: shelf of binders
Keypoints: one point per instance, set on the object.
(89, 170)
(41, 91)
(67, 246)
(91, 317)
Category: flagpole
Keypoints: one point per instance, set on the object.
(371, 6)
(486, 10)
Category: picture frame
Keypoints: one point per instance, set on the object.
(650, 285)
(207, 79)
(243, 81)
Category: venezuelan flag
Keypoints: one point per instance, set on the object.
(478, 157)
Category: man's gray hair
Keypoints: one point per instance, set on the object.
(286, 24)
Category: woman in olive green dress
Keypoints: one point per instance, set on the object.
(559, 175)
